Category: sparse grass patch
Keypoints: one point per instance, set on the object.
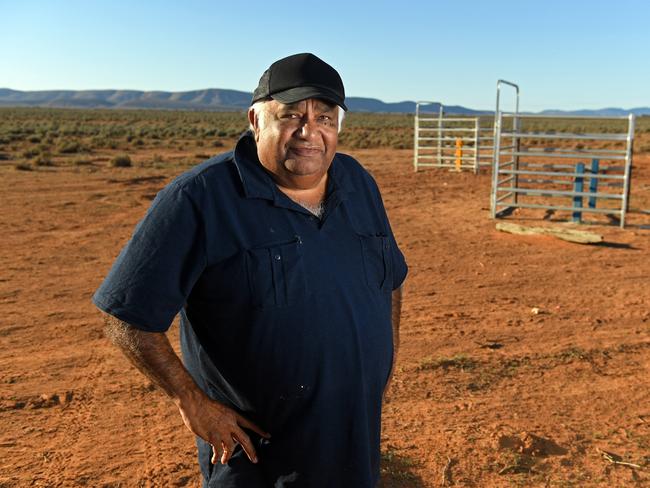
(396, 467)
(121, 161)
(459, 361)
(69, 147)
(81, 161)
(43, 159)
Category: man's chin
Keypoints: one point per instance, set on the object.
(306, 167)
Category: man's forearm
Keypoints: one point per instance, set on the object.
(214, 422)
(153, 355)
(396, 312)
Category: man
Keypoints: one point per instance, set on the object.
(281, 261)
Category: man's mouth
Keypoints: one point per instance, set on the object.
(305, 151)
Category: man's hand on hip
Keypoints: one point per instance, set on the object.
(214, 422)
(219, 425)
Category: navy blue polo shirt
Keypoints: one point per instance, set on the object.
(284, 317)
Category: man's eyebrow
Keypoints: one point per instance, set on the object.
(322, 104)
(291, 106)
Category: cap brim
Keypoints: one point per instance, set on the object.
(297, 94)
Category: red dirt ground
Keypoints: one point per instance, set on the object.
(523, 358)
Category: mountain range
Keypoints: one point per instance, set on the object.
(217, 99)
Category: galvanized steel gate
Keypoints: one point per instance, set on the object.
(451, 142)
(559, 171)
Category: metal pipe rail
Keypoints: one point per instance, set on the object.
(586, 174)
(575, 137)
(561, 117)
(563, 193)
(608, 211)
(575, 155)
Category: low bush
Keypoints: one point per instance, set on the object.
(69, 147)
(121, 161)
(30, 153)
(43, 159)
(23, 167)
(81, 161)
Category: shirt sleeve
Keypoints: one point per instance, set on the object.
(155, 272)
(400, 269)
(398, 263)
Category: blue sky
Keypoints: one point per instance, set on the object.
(563, 54)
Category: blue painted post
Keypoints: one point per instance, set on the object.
(593, 183)
(578, 186)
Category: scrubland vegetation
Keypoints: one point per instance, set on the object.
(32, 137)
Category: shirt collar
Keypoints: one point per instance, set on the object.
(258, 183)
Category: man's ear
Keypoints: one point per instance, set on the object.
(253, 120)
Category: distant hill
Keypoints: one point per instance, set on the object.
(217, 99)
(602, 112)
(210, 99)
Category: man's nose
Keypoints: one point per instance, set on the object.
(308, 127)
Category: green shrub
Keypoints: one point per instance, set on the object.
(44, 159)
(121, 161)
(30, 153)
(69, 147)
(81, 161)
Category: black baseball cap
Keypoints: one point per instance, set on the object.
(299, 77)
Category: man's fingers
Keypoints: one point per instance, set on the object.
(215, 455)
(246, 445)
(227, 451)
(244, 422)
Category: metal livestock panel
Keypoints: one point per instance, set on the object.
(451, 142)
(541, 162)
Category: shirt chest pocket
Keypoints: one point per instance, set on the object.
(276, 274)
(376, 253)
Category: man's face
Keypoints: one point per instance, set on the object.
(297, 142)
